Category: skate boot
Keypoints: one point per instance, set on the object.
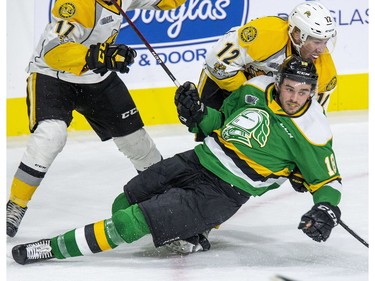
(33, 252)
(15, 214)
(196, 243)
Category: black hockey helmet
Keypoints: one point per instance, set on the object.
(296, 69)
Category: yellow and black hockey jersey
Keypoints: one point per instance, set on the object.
(258, 48)
(77, 24)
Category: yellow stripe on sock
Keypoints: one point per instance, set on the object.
(101, 238)
(21, 192)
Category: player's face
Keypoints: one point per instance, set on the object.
(313, 48)
(293, 95)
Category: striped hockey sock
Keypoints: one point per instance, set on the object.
(87, 240)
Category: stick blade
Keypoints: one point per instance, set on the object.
(281, 278)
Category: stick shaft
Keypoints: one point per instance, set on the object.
(149, 47)
(355, 235)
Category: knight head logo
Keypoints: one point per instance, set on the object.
(331, 84)
(67, 10)
(248, 34)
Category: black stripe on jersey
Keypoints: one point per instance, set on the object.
(31, 171)
(90, 239)
(241, 164)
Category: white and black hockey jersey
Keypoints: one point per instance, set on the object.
(77, 24)
(258, 48)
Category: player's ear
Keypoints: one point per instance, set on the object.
(277, 87)
(295, 35)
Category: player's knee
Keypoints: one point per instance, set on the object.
(121, 202)
(139, 148)
(45, 144)
(130, 223)
(50, 136)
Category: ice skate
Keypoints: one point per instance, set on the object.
(15, 214)
(33, 252)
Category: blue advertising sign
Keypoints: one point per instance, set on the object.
(196, 21)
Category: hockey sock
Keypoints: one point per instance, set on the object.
(21, 192)
(125, 226)
(42, 148)
(139, 148)
(87, 240)
(121, 202)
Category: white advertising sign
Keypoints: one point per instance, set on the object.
(183, 36)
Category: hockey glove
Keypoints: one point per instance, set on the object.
(190, 109)
(297, 181)
(103, 57)
(319, 221)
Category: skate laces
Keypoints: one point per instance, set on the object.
(39, 250)
(15, 213)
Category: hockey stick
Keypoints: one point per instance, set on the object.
(355, 235)
(156, 56)
(281, 278)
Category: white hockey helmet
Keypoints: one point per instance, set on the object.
(312, 19)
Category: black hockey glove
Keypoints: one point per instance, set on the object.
(319, 221)
(297, 181)
(103, 57)
(189, 107)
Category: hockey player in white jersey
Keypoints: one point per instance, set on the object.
(74, 67)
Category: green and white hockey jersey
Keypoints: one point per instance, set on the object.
(259, 145)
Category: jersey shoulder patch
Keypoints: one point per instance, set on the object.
(82, 12)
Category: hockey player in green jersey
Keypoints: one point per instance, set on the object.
(264, 131)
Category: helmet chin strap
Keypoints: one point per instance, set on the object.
(296, 47)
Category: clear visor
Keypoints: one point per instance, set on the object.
(321, 46)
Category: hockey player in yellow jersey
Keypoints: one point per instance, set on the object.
(261, 45)
(74, 67)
